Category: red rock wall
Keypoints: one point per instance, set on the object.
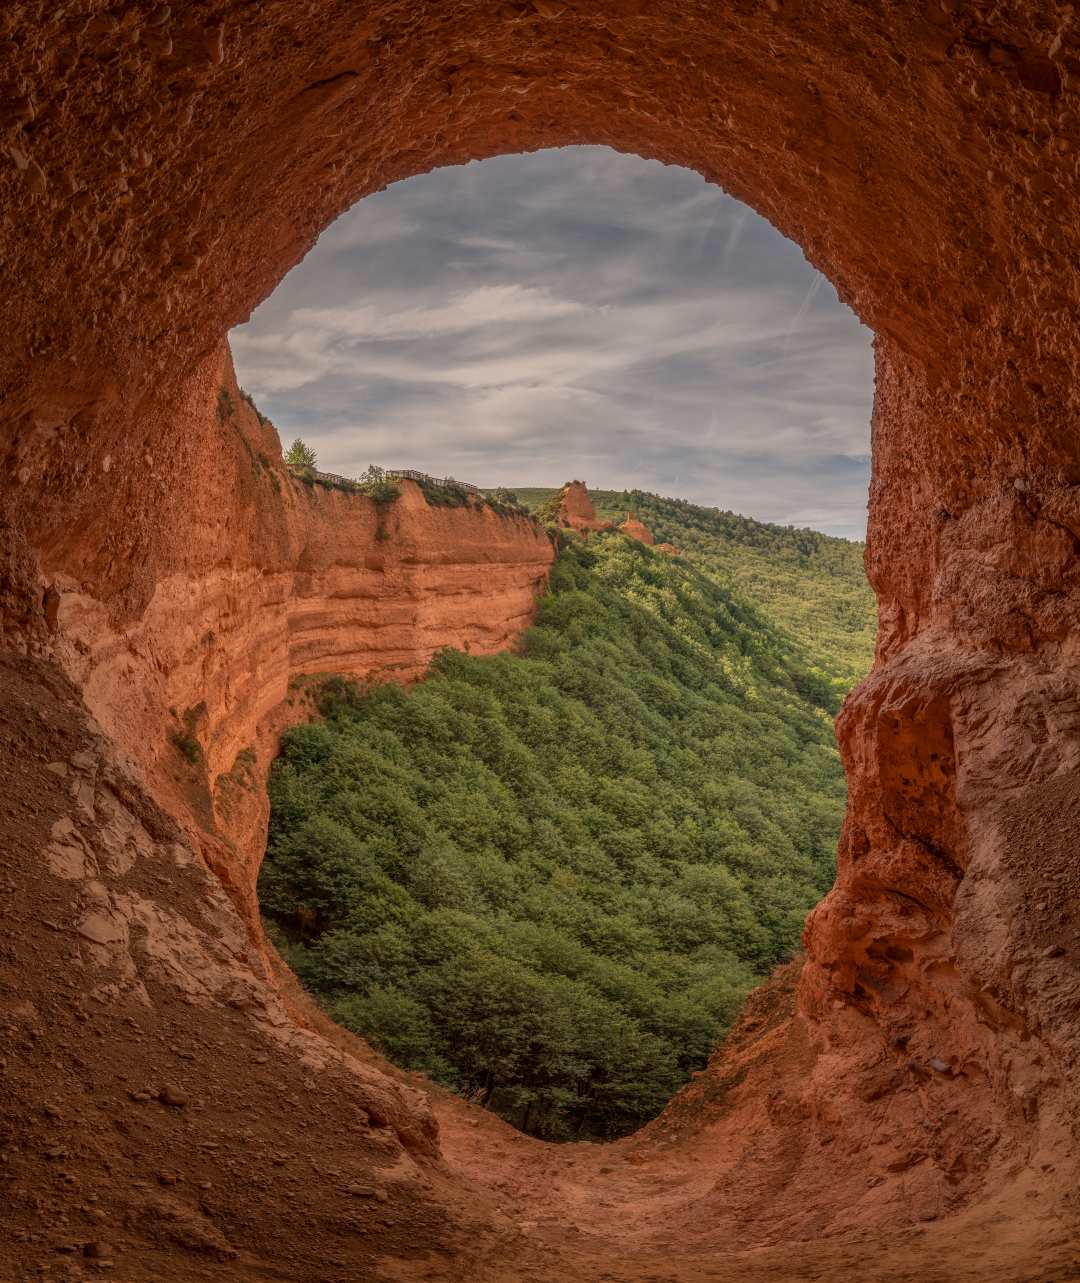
(298, 579)
(286, 580)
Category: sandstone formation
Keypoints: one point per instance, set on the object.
(636, 529)
(319, 581)
(904, 1106)
(576, 511)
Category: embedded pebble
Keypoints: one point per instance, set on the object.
(172, 1095)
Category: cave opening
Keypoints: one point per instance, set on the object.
(549, 880)
(911, 1098)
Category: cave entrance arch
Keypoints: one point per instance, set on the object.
(161, 182)
(590, 314)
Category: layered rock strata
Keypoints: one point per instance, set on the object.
(305, 579)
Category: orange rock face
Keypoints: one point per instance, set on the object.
(637, 529)
(576, 509)
(908, 1104)
(319, 581)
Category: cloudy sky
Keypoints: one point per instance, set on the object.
(572, 313)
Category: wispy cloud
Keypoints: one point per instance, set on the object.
(574, 312)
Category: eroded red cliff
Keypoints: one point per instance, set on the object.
(299, 579)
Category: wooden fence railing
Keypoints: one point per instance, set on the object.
(410, 474)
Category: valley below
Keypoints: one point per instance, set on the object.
(550, 878)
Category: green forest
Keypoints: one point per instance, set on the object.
(548, 879)
(806, 583)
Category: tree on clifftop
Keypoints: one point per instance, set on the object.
(301, 455)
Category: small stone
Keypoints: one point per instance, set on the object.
(17, 112)
(35, 176)
(57, 768)
(99, 929)
(172, 1095)
(1053, 951)
(941, 1066)
(214, 44)
(168, 1177)
(96, 1251)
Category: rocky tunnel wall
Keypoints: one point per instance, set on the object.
(167, 165)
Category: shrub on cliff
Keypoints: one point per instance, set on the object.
(385, 490)
(377, 485)
(249, 400)
(446, 496)
(547, 510)
(548, 879)
(301, 455)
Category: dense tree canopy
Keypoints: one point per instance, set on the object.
(549, 879)
(809, 585)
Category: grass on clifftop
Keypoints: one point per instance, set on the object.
(550, 879)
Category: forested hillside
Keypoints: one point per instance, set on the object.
(806, 583)
(549, 879)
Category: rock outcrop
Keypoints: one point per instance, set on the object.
(636, 529)
(575, 509)
(906, 1105)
